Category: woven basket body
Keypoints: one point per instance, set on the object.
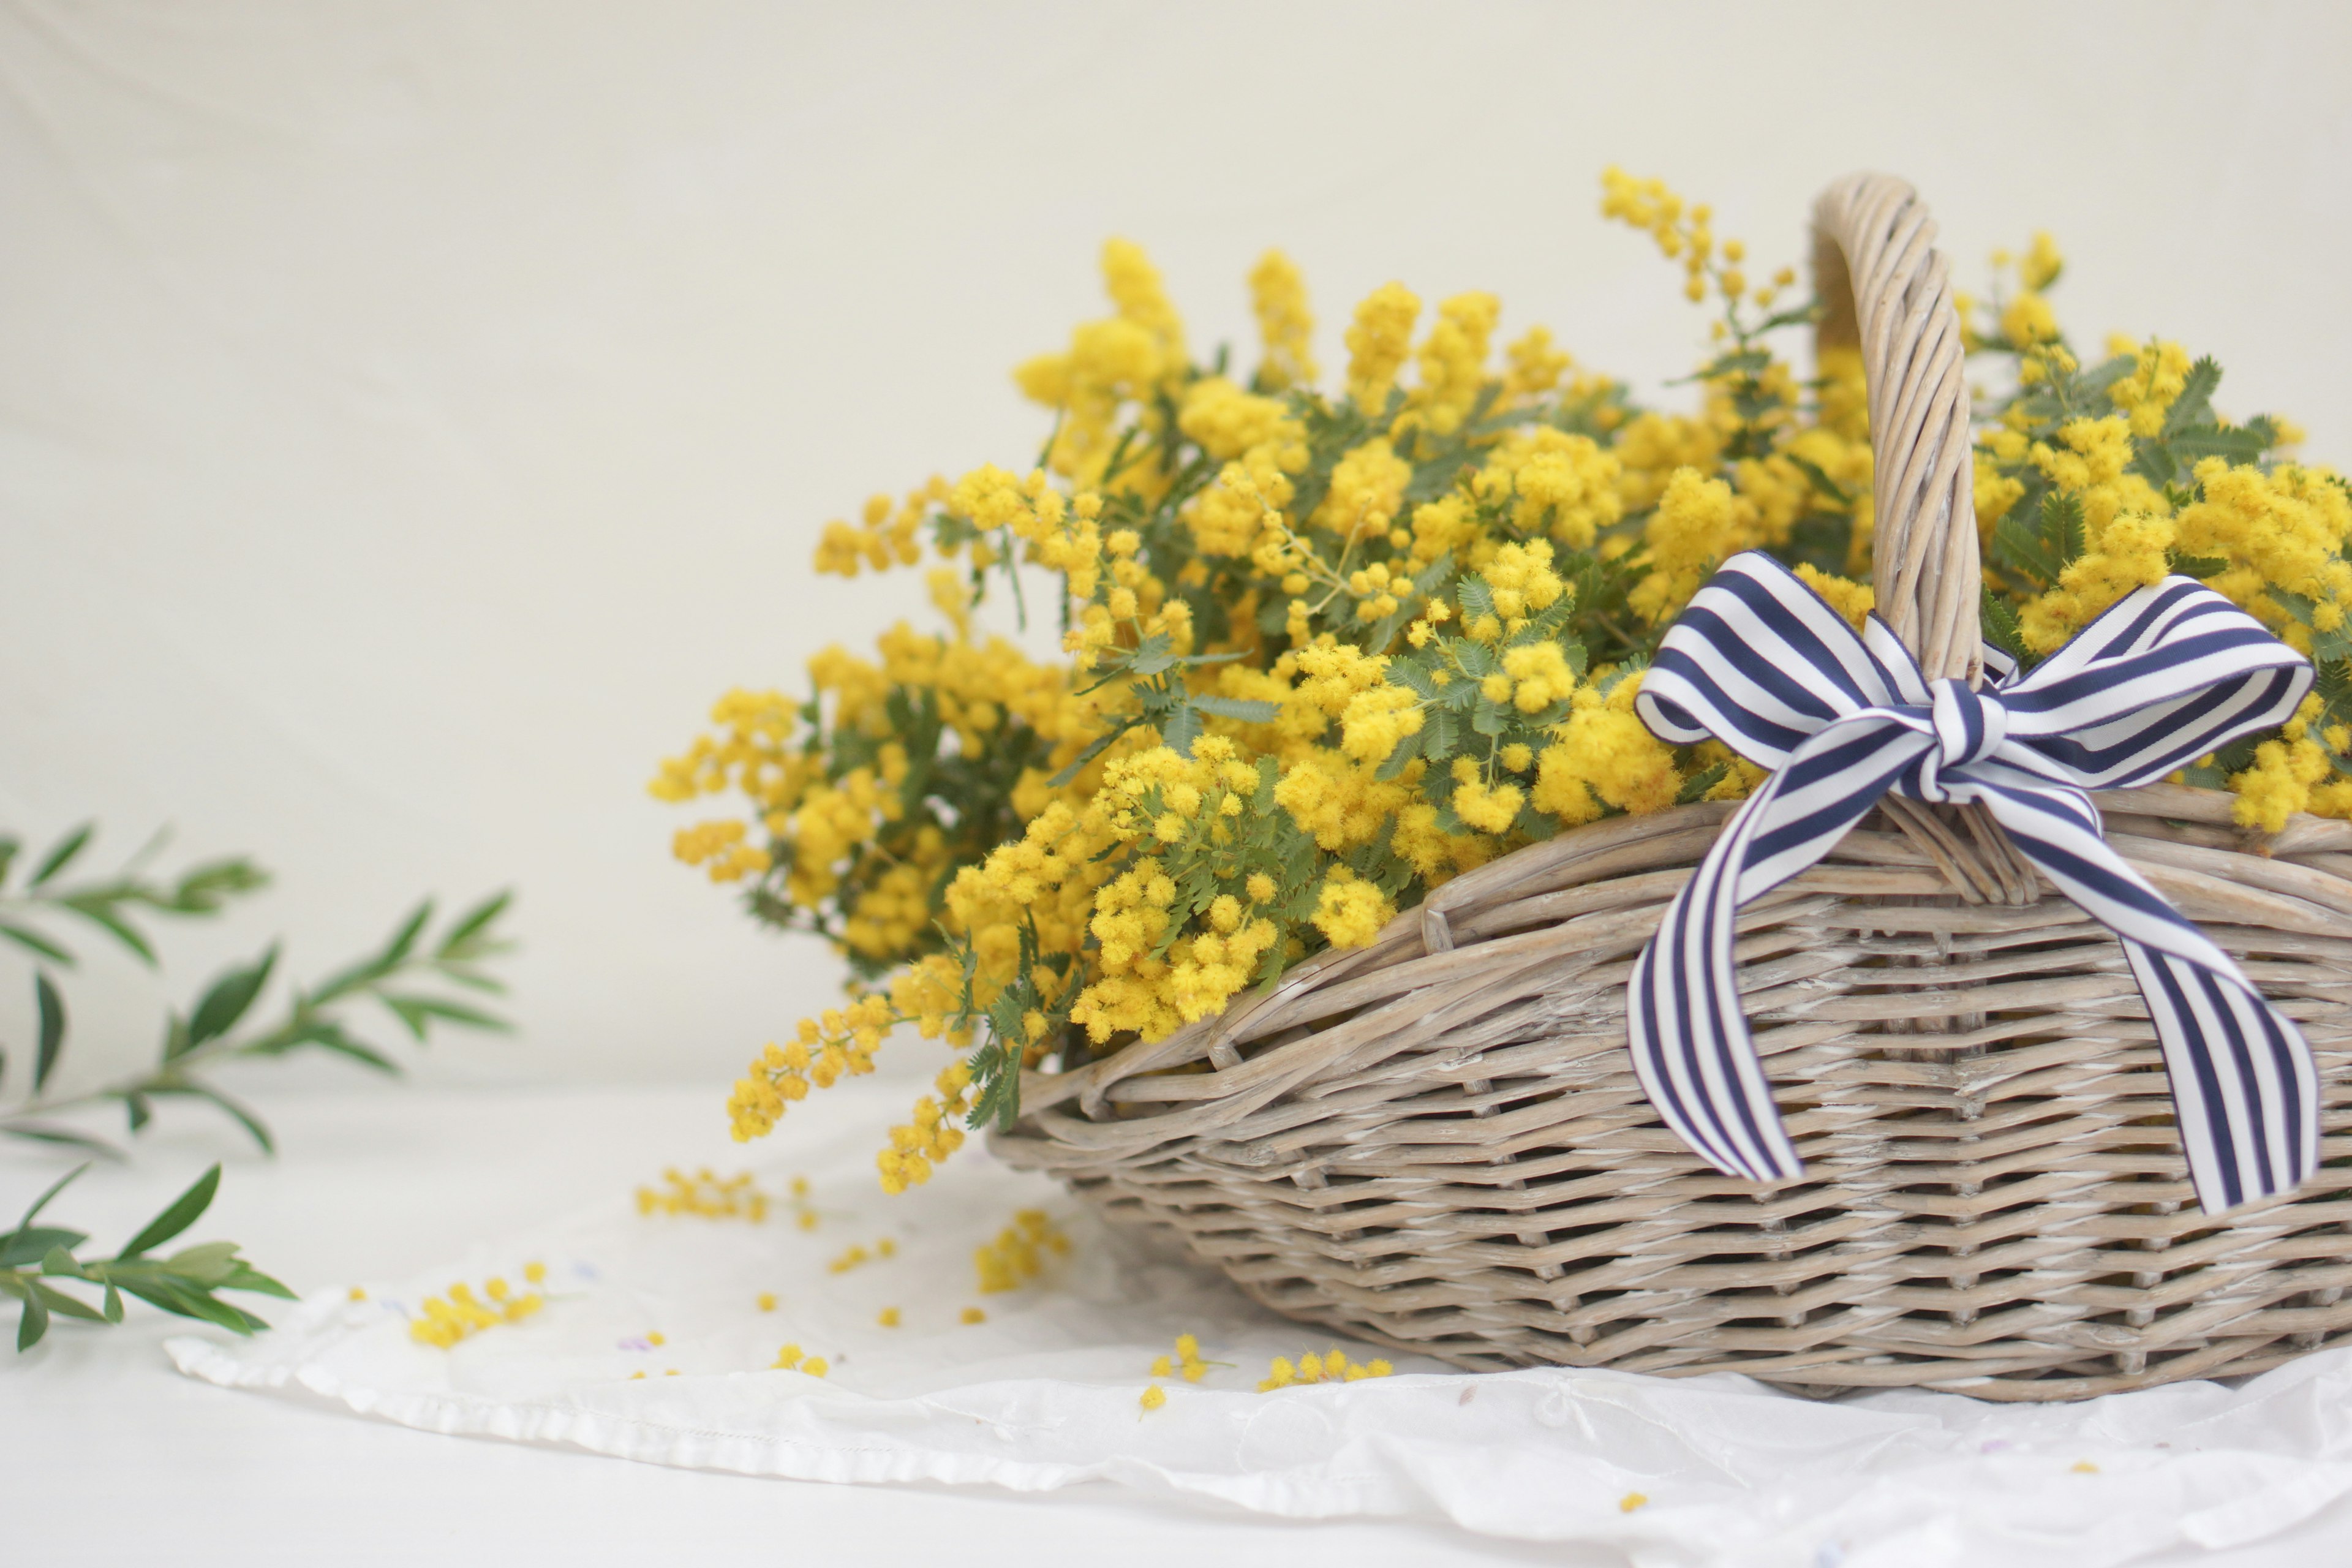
(1437, 1142)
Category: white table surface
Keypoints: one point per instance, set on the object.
(106, 1452)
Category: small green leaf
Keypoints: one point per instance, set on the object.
(403, 941)
(136, 1109)
(201, 889)
(1154, 654)
(34, 942)
(52, 1009)
(1183, 728)
(100, 913)
(58, 858)
(2235, 444)
(58, 1262)
(415, 1010)
(34, 1132)
(238, 1113)
(1694, 787)
(9, 845)
(331, 1036)
(231, 997)
(2001, 628)
(34, 1321)
(43, 1201)
(248, 1277)
(1247, 711)
(207, 1263)
(34, 1243)
(475, 922)
(184, 1212)
(2194, 405)
(58, 1301)
(2198, 566)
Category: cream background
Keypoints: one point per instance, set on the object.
(412, 414)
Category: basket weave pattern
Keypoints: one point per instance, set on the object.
(1437, 1142)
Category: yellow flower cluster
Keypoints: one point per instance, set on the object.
(885, 537)
(1685, 232)
(447, 1318)
(1285, 326)
(1331, 1366)
(857, 1255)
(1018, 1253)
(840, 1041)
(1187, 1362)
(790, 1358)
(705, 1194)
(930, 1136)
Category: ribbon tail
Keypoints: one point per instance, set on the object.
(2245, 1091)
(1690, 1043)
(1691, 1047)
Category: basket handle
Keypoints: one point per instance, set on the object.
(1887, 290)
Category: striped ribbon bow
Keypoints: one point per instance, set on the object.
(2168, 674)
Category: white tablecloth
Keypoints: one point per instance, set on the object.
(402, 1195)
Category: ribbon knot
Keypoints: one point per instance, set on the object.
(1970, 725)
(2167, 674)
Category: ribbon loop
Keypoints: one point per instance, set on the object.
(2167, 674)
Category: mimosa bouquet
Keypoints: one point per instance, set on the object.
(1326, 648)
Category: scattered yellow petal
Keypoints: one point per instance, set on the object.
(1630, 1501)
(534, 1272)
(889, 1318)
(767, 1300)
(816, 1366)
(636, 1375)
(1154, 1398)
(358, 1294)
(2084, 1468)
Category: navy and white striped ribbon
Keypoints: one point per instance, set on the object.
(2168, 675)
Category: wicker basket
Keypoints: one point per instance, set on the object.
(1437, 1142)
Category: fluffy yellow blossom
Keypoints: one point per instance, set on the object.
(706, 1195)
(1331, 1366)
(1285, 325)
(443, 1321)
(1454, 361)
(1563, 485)
(1378, 342)
(2028, 320)
(1350, 911)
(1699, 523)
(1017, 1255)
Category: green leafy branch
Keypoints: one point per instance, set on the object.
(186, 1283)
(409, 978)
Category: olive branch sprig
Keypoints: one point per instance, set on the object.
(185, 1284)
(409, 977)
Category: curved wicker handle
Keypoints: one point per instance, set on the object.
(1888, 291)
